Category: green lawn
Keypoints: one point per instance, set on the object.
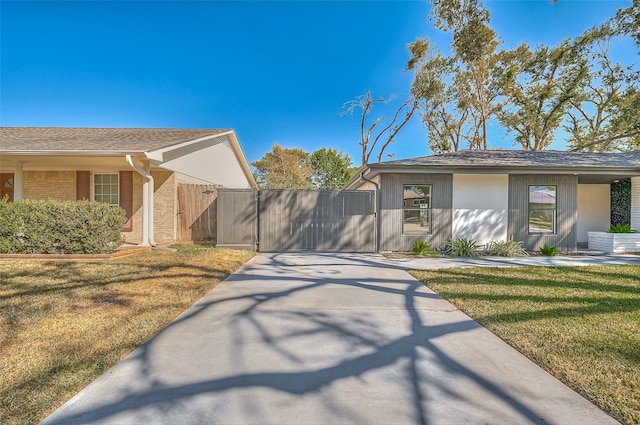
(62, 324)
(582, 324)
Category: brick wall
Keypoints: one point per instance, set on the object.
(165, 207)
(635, 203)
(618, 243)
(60, 185)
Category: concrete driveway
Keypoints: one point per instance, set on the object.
(311, 338)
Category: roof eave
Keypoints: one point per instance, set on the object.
(73, 153)
(412, 169)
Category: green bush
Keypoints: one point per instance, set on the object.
(463, 247)
(508, 248)
(621, 228)
(549, 251)
(420, 247)
(60, 227)
(621, 202)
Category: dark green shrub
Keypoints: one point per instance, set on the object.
(60, 227)
(463, 247)
(621, 202)
(549, 251)
(621, 228)
(420, 247)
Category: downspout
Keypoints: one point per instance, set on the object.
(377, 209)
(147, 204)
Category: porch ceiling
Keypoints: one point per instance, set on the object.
(64, 163)
(601, 179)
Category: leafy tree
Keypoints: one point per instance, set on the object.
(366, 103)
(539, 87)
(283, 168)
(627, 21)
(606, 111)
(331, 168)
(446, 111)
(459, 106)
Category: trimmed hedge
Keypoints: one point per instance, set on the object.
(621, 202)
(60, 227)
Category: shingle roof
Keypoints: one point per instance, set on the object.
(99, 139)
(519, 158)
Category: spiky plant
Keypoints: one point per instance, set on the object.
(463, 247)
(508, 248)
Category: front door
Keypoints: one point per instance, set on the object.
(6, 186)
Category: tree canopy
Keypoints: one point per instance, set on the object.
(294, 168)
(331, 168)
(283, 168)
(531, 93)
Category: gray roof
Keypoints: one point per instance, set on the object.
(519, 158)
(33, 139)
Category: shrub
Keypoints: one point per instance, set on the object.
(60, 227)
(420, 247)
(621, 202)
(550, 251)
(463, 247)
(621, 228)
(508, 248)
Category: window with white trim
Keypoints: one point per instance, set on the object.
(542, 209)
(416, 209)
(105, 188)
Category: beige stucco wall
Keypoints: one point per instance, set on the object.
(594, 209)
(60, 185)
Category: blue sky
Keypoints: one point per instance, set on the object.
(273, 71)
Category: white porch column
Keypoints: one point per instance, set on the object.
(635, 203)
(18, 181)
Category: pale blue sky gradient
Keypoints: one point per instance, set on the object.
(273, 71)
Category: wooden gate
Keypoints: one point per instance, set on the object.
(197, 213)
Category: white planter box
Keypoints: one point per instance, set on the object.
(617, 243)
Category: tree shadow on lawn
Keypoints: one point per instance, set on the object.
(77, 277)
(254, 314)
(566, 286)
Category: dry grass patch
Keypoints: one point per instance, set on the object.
(62, 324)
(582, 324)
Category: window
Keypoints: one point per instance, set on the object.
(416, 209)
(542, 209)
(106, 188)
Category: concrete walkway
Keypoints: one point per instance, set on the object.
(422, 263)
(325, 339)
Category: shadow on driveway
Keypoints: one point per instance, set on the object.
(310, 338)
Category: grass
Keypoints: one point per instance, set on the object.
(62, 324)
(581, 324)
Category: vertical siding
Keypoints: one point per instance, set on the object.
(391, 201)
(565, 237)
(237, 218)
(325, 220)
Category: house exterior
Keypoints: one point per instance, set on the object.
(138, 169)
(538, 197)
